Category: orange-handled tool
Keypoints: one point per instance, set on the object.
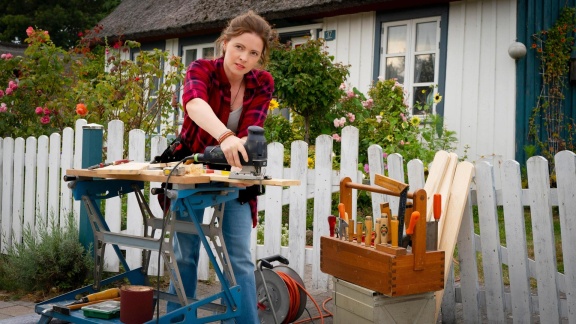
(413, 220)
(104, 294)
(342, 211)
(437, 206)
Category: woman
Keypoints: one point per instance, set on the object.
(222, 98)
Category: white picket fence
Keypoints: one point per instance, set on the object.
(33, 190)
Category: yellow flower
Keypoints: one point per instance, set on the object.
(273, 104)
(415, 121)
(390, 138)
(437, 98)
(310, 162)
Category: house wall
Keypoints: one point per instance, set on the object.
(479, 100)
(480, 78)
(354, 45)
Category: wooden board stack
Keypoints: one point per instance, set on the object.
(451, 179)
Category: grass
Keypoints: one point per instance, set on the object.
(529, 242)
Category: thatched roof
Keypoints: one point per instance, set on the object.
(154, 19)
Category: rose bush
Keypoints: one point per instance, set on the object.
(383, 118)
(48, 88)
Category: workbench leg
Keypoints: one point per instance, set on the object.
(170, 260)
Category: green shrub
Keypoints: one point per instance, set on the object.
(52, 258)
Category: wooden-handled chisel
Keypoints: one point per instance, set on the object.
(394, 231)
(368, 237)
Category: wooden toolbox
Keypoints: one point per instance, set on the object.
(391, 275)
(390, 271)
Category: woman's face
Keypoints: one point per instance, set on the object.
(242, 54)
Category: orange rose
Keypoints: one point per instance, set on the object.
(81, 109)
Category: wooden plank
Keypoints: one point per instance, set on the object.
(468, 267)
(158, 176)
(54, 177)
(113, 207)
(376, 163)
(543, 238)
(444, 189)
(66, 163)
(42, 181)
(449, 300)
(273, 209)
(2, 154)
(297, 208)
(134, 221)
(7, 182)
(565, 163)
(389, 183)
(514, 223)
(454, 211)
(157, 145)
(323, 194)
(18, 190)
(435, 175)
(30, 183)
(491, 258)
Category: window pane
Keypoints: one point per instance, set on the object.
(424, 68)
(395, 68)
(396, 39)
(422, 96)
(208, 52)
(426, 36)
(191, 56)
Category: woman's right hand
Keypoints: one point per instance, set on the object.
(231, 146)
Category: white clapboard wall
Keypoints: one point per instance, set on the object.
(33, 193)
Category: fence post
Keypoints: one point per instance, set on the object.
(91, 154)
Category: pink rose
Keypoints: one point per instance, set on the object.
(342, 121)
(8, 56)
(336, 122)
(1, 93)
(46, 111)
(401, 142)
(351, 117)
(336, 137)
(384, 155)
(13, 85)
(343, 86)
(3, 107)
(39, 110)
(350, 94)
(29, 31)
(403, 117)
(8, 91)
(368, 103)
(3, 56)
(45, 119)
(366, 168)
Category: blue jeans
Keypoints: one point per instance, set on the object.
(236, 228)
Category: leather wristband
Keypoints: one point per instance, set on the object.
(225, 135)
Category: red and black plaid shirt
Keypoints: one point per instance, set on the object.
(205, 79)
